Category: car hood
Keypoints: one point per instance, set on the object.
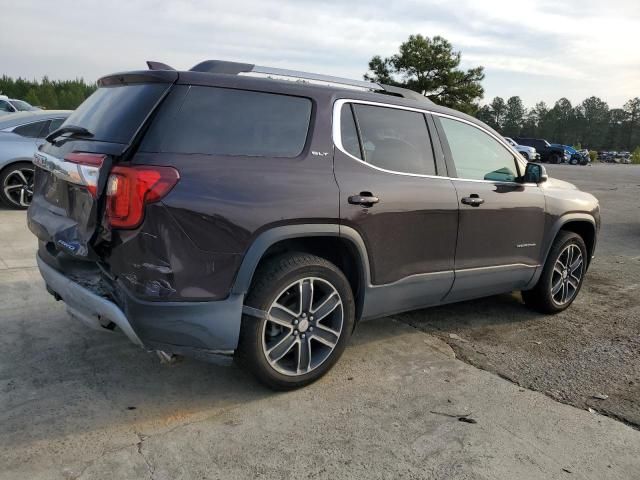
(559, 184)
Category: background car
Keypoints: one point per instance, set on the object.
(548, 153)
(575, 157)
(20, 135)
(529, 153)
(11, 105)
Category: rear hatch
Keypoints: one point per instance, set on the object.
(73, 165)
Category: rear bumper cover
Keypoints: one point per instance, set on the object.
(208, 327)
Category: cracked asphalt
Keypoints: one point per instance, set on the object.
(83, 404)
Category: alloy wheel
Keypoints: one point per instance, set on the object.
(567, 274)
(18, 186)
(303, 326)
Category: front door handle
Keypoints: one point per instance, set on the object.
(366, 199)
(474, 200)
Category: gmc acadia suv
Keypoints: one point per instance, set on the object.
(227, 210)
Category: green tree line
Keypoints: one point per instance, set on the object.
(50, 94)
(590, 124)
(431, 66)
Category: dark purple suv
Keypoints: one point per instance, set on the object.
(228, 210)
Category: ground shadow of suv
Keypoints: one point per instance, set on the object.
(228, 211)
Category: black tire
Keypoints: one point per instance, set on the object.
(273, 281)
(554, 159)
(573, 161)
(10, 177)
(540, 298)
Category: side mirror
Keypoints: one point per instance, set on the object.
(535, 173)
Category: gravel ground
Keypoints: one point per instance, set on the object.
(587, 356)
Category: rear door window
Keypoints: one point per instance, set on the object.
(349, 132)
(32, 130)
(222, 121)
(394, 139)
(114, 113)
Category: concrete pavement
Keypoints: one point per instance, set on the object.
(83, 404)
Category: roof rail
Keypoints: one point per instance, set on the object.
(236, 68)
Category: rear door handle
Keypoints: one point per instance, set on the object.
(366, 199)
(474, 200)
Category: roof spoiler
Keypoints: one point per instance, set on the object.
(236, 68)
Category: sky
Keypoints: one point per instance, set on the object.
(537, 49)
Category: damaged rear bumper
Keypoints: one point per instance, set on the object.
(187, 328)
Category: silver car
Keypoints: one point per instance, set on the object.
(20, 135)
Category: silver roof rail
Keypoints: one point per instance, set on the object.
(236, 68)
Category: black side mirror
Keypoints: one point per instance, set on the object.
(535, 173)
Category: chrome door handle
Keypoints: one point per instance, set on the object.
(366, 199)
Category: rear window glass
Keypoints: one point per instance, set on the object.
(114, 114)
(31, 130)
(221, 121)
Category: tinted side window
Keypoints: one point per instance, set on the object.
(349, 133)
(395, 139)
(476, 155)
(5, 106)
(54, 125)
(222, 121)
(31, 130)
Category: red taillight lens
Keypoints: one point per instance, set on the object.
(129, 189)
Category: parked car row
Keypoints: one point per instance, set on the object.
(614, 157)
(540, 150)
(20, 135)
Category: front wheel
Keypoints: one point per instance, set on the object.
(16, 185)
(562, 275)
(554, 159)
(308, 314)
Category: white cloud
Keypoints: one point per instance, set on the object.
(537, 49)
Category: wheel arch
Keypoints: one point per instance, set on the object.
(338, 244)
(581, 223)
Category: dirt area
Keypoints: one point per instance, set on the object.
(587, 356)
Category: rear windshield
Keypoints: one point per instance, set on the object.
(222, 121)
(113, 114)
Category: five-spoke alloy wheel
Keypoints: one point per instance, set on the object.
(307, 315)
(16, 185)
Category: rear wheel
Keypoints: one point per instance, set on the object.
(16, 185)
(554, 158)
(309, 315)
(562, 275)
(573, 161)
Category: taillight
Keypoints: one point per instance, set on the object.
(88, 169)
(129, 189)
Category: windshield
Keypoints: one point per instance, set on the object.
(22, 105)
(114, 114)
